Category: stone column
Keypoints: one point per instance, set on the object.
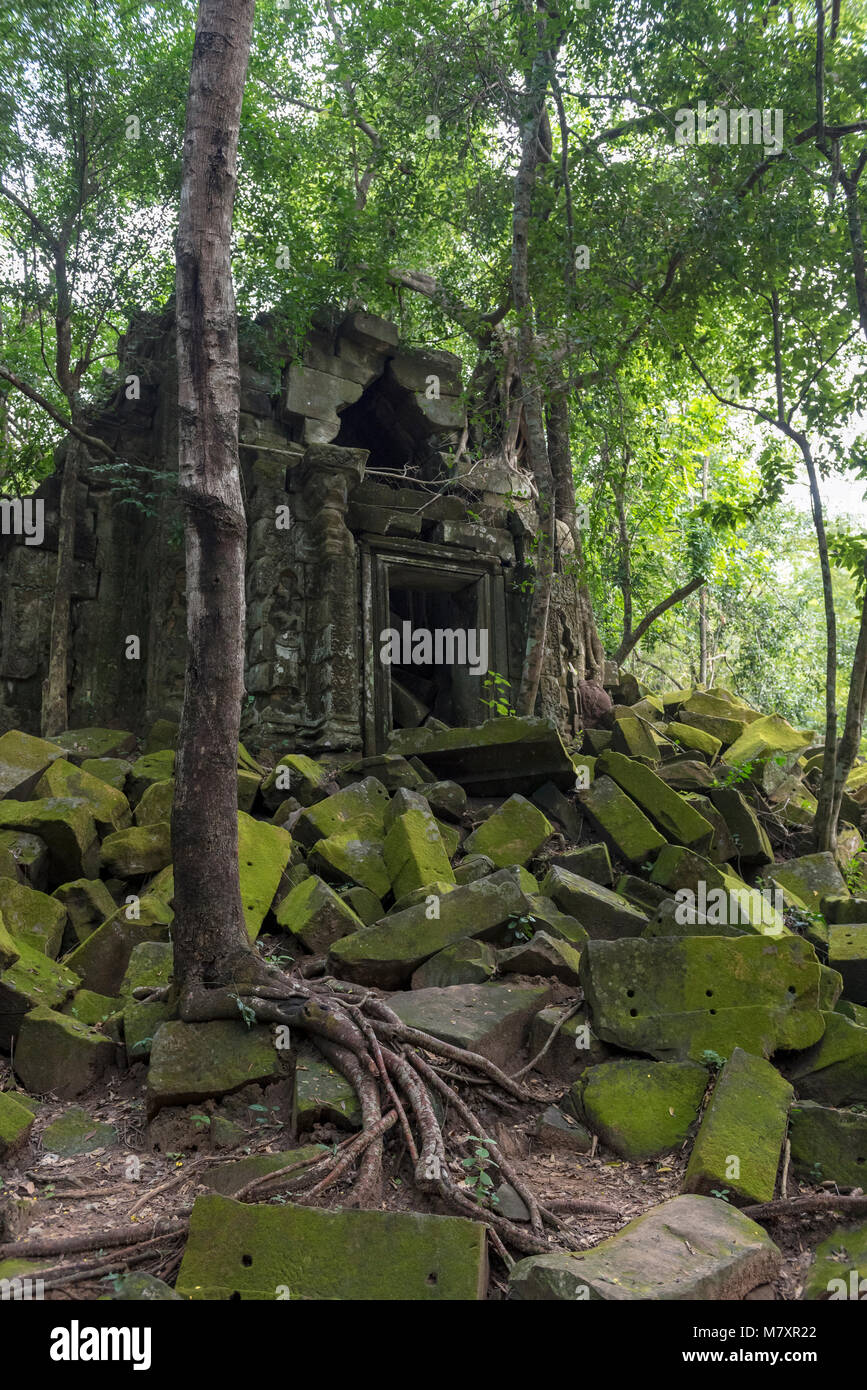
(327, 476)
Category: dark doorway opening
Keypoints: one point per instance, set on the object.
(445, 690)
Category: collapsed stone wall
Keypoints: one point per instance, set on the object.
(353, 500)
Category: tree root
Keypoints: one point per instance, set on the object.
(394, 1070)
(801, 1206)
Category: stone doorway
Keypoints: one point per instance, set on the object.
(411, 586)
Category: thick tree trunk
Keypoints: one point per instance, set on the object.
(590, 657)
(825, 831)
(702, 601)
(537, 447)
(211, 943)
(55, 712)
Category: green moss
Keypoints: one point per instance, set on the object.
(109, 807)
(414, 853)
(76, 1132)
(512, 835)
(16, 1123)
(624, 824)
(32, 917)
(640, 1109)
(316, 915)
(742, 1134)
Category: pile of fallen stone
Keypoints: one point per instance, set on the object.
(632, 910)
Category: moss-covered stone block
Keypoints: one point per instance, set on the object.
(839, 1268)
(847, 953)
(640, 1109)
(109, 807)
(191, 1062)
(512, 835)
(699, 739)
(623, 824)
(248, 1251)
(76, 1132)
(34, 979)
(492, 1019)
(79, 744)
(152, 767)
(155, 804)
(139, 850)
(87, 903)
(674, 816)
(750, 839)
(770, 736)
(575, 1047)
(687, 1248)
(364, 904)
(93, 1009)
(23, 759)
(632, 736)
(316, 915)
(810, 878)
(361, 807)
(542, 955)
(351, 857)
(468, 962)
(834, 1070)
(388, 952)
(67, 829)
(737, 1149)
(150, 967)
(56, 1053)
(32, 917)
(828, 1145)
(263, 854)
(229, 1178)
(141, 1022)
(295, 775)
(113, 771)
(16, 1123)
(495, 758)
(101, 960)
(605, 915)
(590, 861)
(681, 998)
(414, 853)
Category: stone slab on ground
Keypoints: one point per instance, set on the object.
(55, 1053)
(498, 757)
(247, 1251)
(828, 1145)
(603, 914)
(322, 1095)
(834, 1071)
(839, 1269)
(623, 824)
(191, 1062)
(738, 1146)
(23, 759)
(678, 998)
(512, 835)
(492, 1019)
(640, 1109)
(686, 1248)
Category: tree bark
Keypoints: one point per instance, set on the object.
(211, 942)
(55, 689)
(536, 443)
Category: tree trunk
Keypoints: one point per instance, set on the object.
(55, 713)
(825, 831)
(537, 447)
(211, 943)
(702, 600)
(590, 657)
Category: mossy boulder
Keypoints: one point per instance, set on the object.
(96, 1010)
(839, 1268)
(575, 1047)
(682, 998)
(364, 904)
(191, 1062)
(9, 952)
(446, 799)
(155, 803)
(263, 854)
(316, 915)
(640, 1109)
(590, 861)
(698, 739)
(34, 979)
(113, 771)
(32, 917)
(135, 1287)
(295, 775)
(834, 1070)
(76, 1132)
(87, 903)
(810, 878)
(150, 768)
(414, 853)
(675, 817)
(770, 736)
(109, 807)
(468, 962)
(388, 952)
(605, 915)
(23, 857)
(828, 1144)
(542, 955)
(56, 1053)
(623, 824)
(847, 953)
(473, 867)
(137, 851)
(322, 1095)
(67, 829)
(360, 808)
(723, 729)
(750, 839)
(512, 835)
(492, 1019)
(79, 744)
(556, 1130)
(23, 759)
(150, 967)
(688, 1248)
(737, 1149)
(256, 1251)
(350, 856)
(102, 958)
(631, 736)
(16, 1122)
(141, 1021)
(495, 758)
